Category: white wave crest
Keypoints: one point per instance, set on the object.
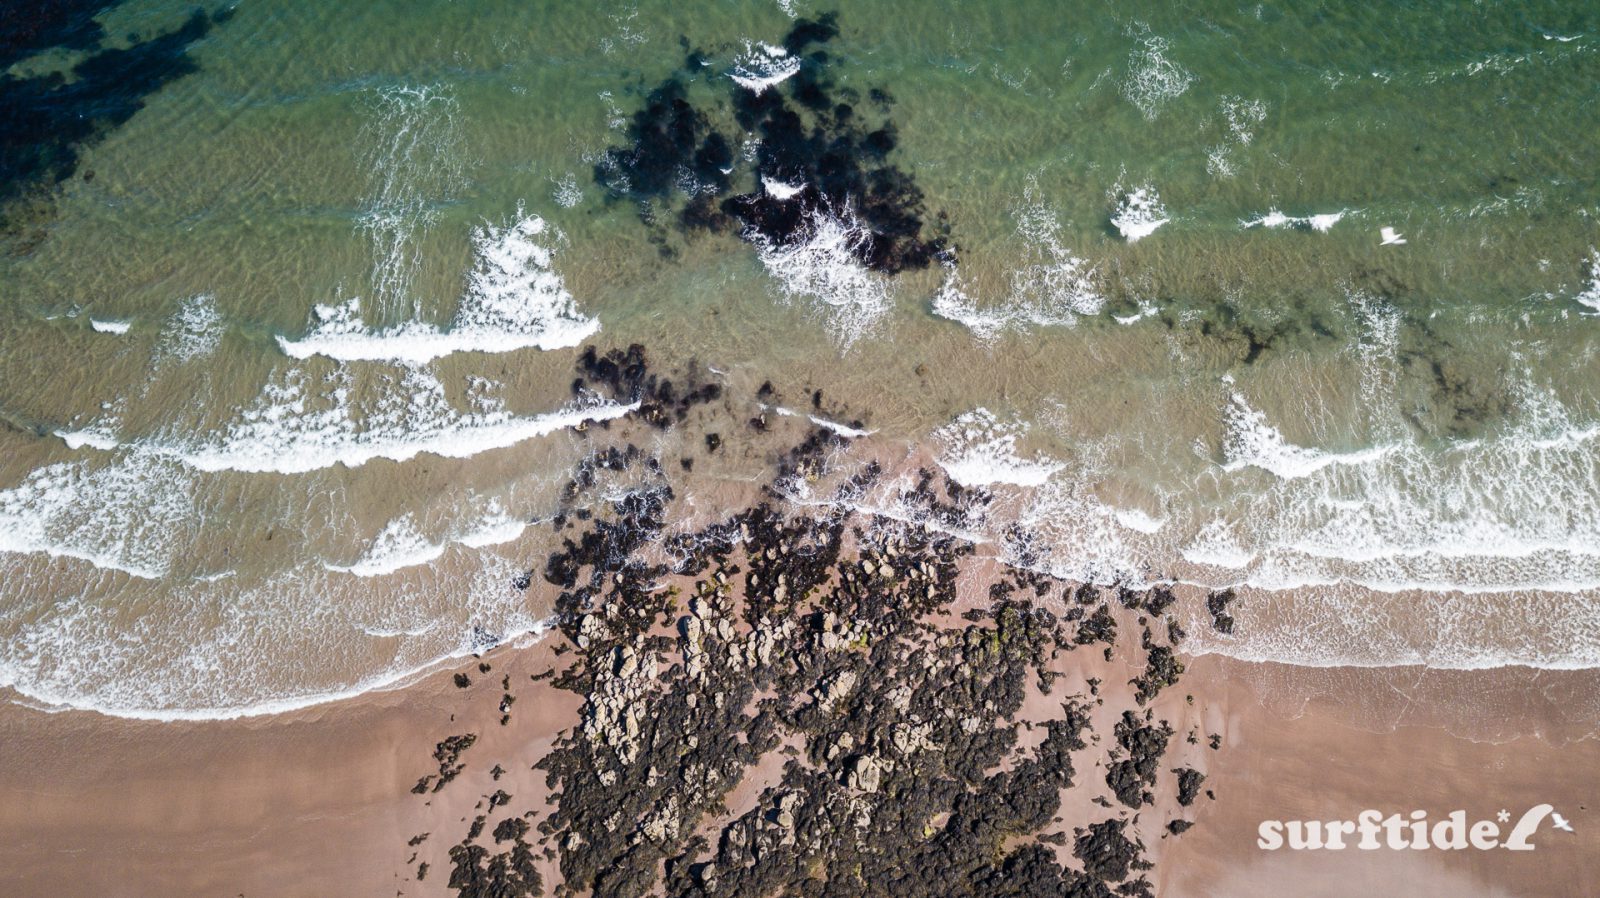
(779, 190)
(1139, 213)
(1249, 440)
(291, 434)
(1322, 222)
(402, 542)
(98, 436)
(110, 325)
(1135, 519)
(514, 300)
(399, 545)
(296, 427)
(822, 271)
(762, 66)
(843, 430)
(978, 450)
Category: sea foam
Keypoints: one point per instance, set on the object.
(193, 332)
(1153, 79)
(514, 300)
(979, 450)
(1590, 294)
(762, 66)
(411, 148)
(822, 272)
(117, 517)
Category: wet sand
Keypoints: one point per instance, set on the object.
(313, 802)
(1358, 740)
(319, 801)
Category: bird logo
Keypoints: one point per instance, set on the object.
(1560, 822)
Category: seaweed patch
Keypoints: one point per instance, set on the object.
(786, 150)
(46, 119)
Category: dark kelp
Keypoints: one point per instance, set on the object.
(810, 138)
(47, 119)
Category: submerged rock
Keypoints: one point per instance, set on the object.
(815, 158)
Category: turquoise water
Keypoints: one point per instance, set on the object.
(208, 481)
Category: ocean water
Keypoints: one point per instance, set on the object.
(287, 336)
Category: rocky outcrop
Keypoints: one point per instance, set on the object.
(821, 645)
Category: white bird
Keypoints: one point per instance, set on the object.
(1390, 237)
(1560, 822)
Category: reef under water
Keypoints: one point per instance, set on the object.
(48, 117)
(784, 149)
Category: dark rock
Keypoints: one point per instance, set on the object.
(1189, 781)
(1217, 604)
(804, 136)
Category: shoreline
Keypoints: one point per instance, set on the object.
(11, 696)
(787, 689)
(278, 707)
(286, 804)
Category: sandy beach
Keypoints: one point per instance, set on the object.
(1369, 745)
(1018, 450)
(312, 802)
(319, 801)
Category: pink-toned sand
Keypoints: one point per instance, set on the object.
(318, 802)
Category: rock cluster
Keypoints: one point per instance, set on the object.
(816, 655)
(815, 156)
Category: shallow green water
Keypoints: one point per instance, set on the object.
(1390, 441)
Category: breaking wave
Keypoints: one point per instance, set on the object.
(762, 66)
(822, 271)
(514, 300)
(110, 325)
(402, 543)
(1322, 222)
(294, 431)
(298, 426)
(1138, 214)
(978, 449)
(1052, 287)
